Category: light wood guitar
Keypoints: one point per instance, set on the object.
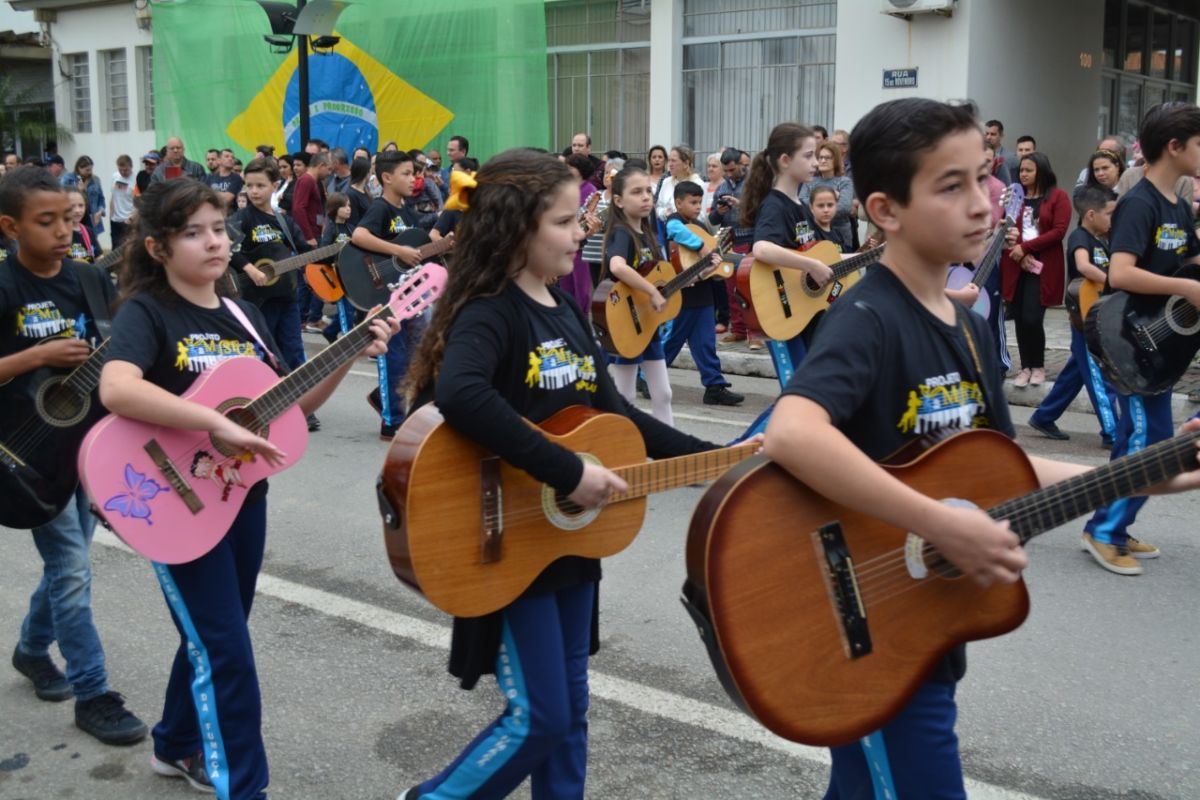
(786, 300)
(684, 258)
(324, 281)
(1082, 294)
(275, 266)
(471, 532)
(822, 622)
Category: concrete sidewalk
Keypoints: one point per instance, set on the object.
(737, 359)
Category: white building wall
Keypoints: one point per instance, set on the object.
(666, 71)
(90, 30)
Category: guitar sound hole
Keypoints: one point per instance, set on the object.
(247, 420)
(810, 285)
(567, 506)
(942, 568)
(60, 404)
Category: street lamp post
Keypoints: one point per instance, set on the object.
(302, 79)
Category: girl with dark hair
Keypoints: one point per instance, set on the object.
(171, 325)
(782, 223)
(1032, 273)
(631, 246)
(506, 343)
(360, 196)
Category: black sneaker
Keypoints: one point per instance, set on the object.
(387, 432)
(721, 396)
(375, 401)
(48, 681)
(1106, 441)
(314, 424)
(643, 388)
(1048, 429)
(106, 718)
(190, 769)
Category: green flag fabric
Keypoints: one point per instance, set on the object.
(412, 73)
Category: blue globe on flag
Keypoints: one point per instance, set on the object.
(341, 106)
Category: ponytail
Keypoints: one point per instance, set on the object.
(785, 139)
(617, 219)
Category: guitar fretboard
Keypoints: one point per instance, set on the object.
(856, 262)
(1059, 503)
(671, 473)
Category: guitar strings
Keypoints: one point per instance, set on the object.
(33, 430)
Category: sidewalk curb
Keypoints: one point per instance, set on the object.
(758, 365)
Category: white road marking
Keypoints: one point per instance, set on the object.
(646, 699)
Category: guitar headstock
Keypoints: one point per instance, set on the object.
(724, 237)
(418, 291)
(1014, 199)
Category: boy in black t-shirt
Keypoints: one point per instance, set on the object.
(1153, 235)
(42, 303)
(899, 360)
(1087, 257)
(696, 321)
(387, 217)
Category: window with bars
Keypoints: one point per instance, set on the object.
(79, 82)
(113, 66)
(145, 62)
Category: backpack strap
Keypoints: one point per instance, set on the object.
(93, 292)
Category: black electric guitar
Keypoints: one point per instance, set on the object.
(46, 415)
(1144, 343)
(368, 277)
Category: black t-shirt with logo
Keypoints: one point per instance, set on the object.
(262, 237)
(1096, 249)
(79, 250)
(33, 308)
(1159, 232)
(784, 221)
(639, 252)
(173, 342)
(359, 203)
(385, 220)
(887, 371)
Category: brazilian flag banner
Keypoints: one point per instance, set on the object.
(411, 72)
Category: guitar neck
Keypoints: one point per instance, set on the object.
(304, 259)
(665, 474)
(86, 377)
(1059, 503)
(992, 256)
(692, 273)
(856, 262)
(284, 394)
(435, 248)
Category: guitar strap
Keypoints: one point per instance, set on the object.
(241, 317)
(93, 292)
(287, 232)
(966, 329)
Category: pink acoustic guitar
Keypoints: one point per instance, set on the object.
(173, 494)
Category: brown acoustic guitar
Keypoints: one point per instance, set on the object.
(822, 622)
(324, 282)
(1081, 295)
(684, 258)
(786, 300)
(471, 532)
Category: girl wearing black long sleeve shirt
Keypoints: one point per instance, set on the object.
(505, 344)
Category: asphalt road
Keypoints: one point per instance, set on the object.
(1094, 697)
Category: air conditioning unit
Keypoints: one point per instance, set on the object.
(906, 8)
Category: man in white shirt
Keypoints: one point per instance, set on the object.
(120, 203)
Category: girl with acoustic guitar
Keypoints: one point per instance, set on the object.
(783, 225)
(171, 326)
(631, 245)
(506, 345)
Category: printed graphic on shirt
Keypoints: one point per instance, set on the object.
(77, 252)
(1100, 258)
(397, 225)
(945, 401)
(197, 352)
(264, 234)
(804, 234)
(643, 256)
(554, 365)
(1171, 237)
(39, 320)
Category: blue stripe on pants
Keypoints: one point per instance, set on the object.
(1143, 421)
(1080, 372)
(913, 756)
(210, 601)
(542, 734)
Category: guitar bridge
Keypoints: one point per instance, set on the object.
(781, 287)
(842, 585)
(174, 476)
(1140, 334)
(492, 503)
(633, 313)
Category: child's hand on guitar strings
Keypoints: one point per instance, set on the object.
(596, 486)
(242, 440)
(382, 329)
(983, 549)
(64, 352)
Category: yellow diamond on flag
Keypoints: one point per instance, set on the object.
(352, 96)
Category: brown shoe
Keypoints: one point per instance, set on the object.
(1139, 549)
(732, 337)
(755, 344)
(1112, 558)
